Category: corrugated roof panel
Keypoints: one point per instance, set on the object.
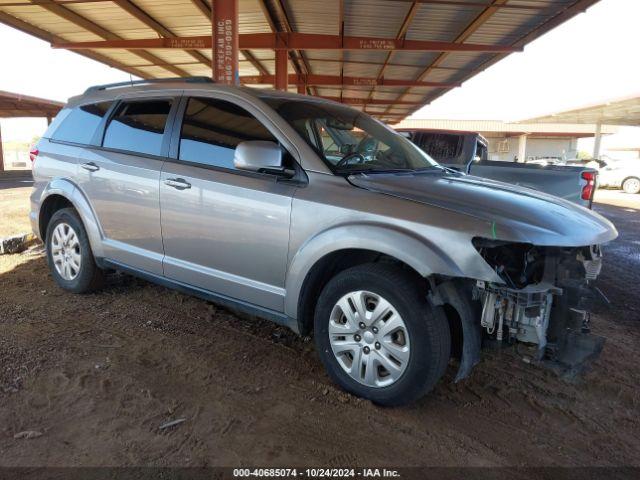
(441, 23)
(123, 56)
(113, 18)
(505, 28)
(51, 23)
(313, 16)
(325, 68)
(464, 59)
(179, 16)
(323, 55)
(400, 73)
(442, 75)
(374, 18)
(173, 56)
(328, 92)
(414, 58)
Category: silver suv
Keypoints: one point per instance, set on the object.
(318, 217)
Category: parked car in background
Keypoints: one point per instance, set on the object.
(585, 163)
(624, 174)
(318, 217)
(468, 153)
(544, 161)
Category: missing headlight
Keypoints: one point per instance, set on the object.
(517, 264)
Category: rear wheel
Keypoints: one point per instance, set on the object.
(69, 254)
(377, 335)
(631, 185)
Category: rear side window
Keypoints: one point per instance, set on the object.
(81, 123)
(212, 129)
(441, 146)
(138, 126)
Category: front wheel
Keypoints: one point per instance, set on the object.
(377, 335)
(631, 185)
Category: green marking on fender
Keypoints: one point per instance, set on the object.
(493, 230)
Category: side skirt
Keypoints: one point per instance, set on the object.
(223, 300)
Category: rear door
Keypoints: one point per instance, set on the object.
(121, 179)
(224, 230)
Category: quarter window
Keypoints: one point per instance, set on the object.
(442, 147)
(212, 129)
(138, 126)
(81, 123)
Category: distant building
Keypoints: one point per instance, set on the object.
(508, 140)
(622, 153)
(623, 111)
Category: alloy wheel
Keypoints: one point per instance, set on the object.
(65, 251)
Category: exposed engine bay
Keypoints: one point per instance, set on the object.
(546, 302)
(543, 308)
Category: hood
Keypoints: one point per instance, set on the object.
(516, 213)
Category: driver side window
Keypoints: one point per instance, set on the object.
(212, 129)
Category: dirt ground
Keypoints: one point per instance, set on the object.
(97, 375)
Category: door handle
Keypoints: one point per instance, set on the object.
(178, 183)
(92, 167)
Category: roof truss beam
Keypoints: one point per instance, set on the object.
(292, 41)
(370, 101)
(319, 80)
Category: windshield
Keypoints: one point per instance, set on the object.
(348, 140)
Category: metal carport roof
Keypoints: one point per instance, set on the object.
(624, 111)
(17, 105)
(388, 57)
(13, 105)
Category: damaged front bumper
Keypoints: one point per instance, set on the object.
(545, 323)
(543, 307)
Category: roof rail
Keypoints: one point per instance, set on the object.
(131, 83)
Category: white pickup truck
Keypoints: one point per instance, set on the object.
(468, 152)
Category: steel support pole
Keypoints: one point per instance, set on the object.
(522, 148)
(225, 48)
(1, 152)
(597, 144)
(282, 75)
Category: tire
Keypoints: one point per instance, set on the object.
(424, 343)
(631, 185)
(83, 275)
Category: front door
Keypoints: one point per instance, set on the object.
(224, 230)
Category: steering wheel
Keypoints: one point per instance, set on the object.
(344, 161)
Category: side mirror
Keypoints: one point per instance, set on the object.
(259, 156)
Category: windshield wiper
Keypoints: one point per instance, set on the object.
(450, 170)
(373, 170)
